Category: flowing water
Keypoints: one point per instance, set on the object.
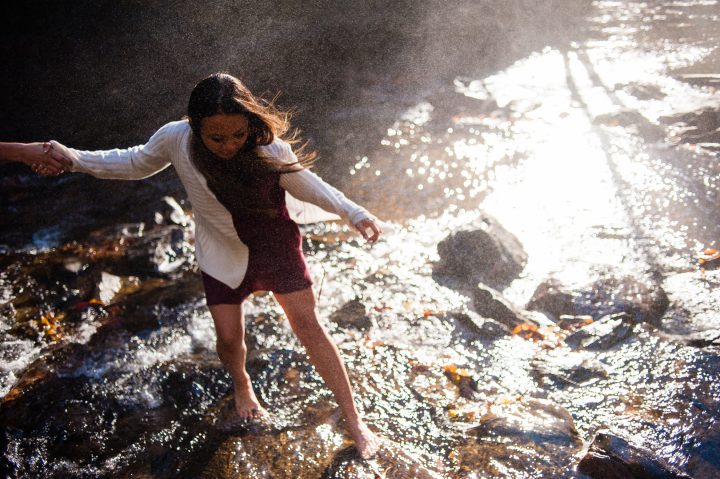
(109, 367)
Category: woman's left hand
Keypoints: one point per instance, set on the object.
(369, 224)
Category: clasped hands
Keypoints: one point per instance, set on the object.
(47, 161)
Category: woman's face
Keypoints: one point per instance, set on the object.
(224, 135)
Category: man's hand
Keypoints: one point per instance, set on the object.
(44, 160)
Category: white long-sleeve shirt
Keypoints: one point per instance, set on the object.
(218, 249)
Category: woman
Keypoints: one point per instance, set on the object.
(236, 169)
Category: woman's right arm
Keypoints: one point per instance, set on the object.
(130, 163)
(51, 158)
(41, 157)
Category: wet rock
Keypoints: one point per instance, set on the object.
(483, 252)
(642, 91)
(564, 369)
(700, 339)
(7, 314)
(491, 304)
(162, 250)
(108, 287)
(169, 212)
(188, 386)
(705, 119)
(397, 461)
(602, 334)
(139, 310)
(701, 127)
(533, 438)
(640, 297)
(610, 456)
(553, 298)
(632, 119)
(353, 314)
(569, 322)
(139, 248)
(471, 326)
(303, 451)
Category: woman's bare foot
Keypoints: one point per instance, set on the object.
(366, 441)
(247, 405)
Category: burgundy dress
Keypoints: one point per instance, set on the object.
(276, 262)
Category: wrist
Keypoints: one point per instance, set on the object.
(15, 152)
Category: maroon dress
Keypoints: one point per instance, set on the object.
(276, 262)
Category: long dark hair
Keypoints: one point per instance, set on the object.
(221, 93)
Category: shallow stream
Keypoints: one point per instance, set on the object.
(108, 361)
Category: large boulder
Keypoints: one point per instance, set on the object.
(483, 252)
(641, 297)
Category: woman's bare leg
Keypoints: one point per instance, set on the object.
(230, 328)
(300, 309)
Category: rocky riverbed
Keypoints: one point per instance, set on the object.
(544, 306)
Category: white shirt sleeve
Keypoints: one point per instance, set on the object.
(130, 163)
(309, 187)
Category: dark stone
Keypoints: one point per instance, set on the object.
(471, 326)
(568, 369)
(161, 251)
(108, 287)
(643, 91)
(602, 334)
(552, 298)
(628, 118)
(640, 297)
(700, 339)
(483, 252)
(540, 421)
(353, 314)
(569, 322)
(544, 432)
(706, 119)
(492, 304)
(169, 212)
(611, 457)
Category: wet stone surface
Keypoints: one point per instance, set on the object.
(640, 297)
(109, 366)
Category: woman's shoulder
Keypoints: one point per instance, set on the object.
(178, 127)
(279, 150)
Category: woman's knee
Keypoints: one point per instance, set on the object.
(306, 326)
(229, 343)
(229, 327)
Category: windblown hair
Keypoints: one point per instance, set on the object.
(221, 93)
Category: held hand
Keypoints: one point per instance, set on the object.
(44, 160)
(368, 224)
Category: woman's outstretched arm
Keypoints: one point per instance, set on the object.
(133, 163)
(41, 157)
